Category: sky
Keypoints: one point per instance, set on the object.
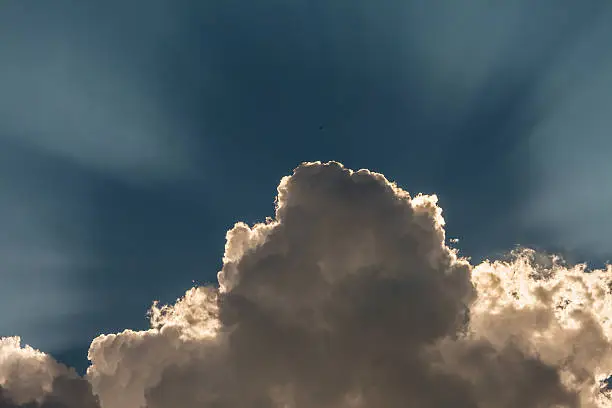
(133, 135)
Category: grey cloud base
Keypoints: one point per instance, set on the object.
(349, 297)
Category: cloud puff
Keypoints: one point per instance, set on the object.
(350, 297)
(30, 378)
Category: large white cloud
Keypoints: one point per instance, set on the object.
(350, 297)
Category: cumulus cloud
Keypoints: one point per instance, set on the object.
(30, 378)
(350, 297)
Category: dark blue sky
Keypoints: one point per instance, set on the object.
(133, 134)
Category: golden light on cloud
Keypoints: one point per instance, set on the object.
(349, 297)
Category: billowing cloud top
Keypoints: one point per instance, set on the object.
(349, 297)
